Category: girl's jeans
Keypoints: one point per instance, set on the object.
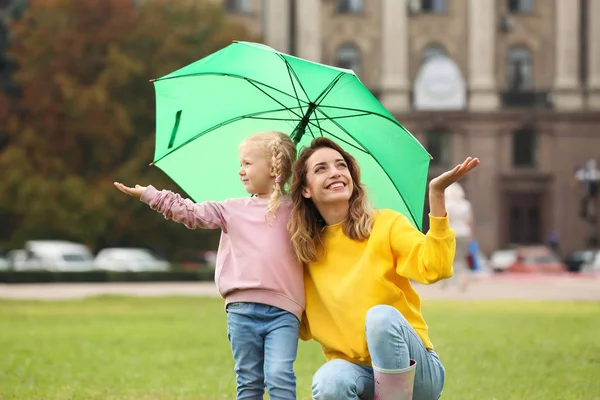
(264, 342)
(392, 344)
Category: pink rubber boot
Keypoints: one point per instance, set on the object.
(395, 384)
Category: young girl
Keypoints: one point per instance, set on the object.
(257, 272)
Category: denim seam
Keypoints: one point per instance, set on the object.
(368, 377)
(414, 334)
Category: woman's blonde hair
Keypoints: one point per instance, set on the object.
(281, 152)
(306, 224)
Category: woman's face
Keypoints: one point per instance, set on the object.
(328, 180)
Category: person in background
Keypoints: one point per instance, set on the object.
(460, 215)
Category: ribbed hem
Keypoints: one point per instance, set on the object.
(265, 297)
(439, 226)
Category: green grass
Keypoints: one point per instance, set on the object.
(176, 348)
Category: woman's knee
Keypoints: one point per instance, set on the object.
(331, 383)
(382, 318)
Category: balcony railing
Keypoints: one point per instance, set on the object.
(525, 99)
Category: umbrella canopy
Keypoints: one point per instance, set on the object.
(205, 109)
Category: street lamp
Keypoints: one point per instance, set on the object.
(589, 176)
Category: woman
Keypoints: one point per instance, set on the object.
(361, 306)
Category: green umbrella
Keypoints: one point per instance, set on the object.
(205, 109)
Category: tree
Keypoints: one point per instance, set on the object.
(85, 116)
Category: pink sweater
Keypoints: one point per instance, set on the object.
(255, 261)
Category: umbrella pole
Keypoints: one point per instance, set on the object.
(301, 127)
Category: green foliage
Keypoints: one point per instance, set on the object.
(85, 118)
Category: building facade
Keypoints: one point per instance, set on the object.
(517, 84)
(530, 72)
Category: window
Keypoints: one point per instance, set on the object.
(348, 57)
(524, 148)
(520, 6)
(437, 143)
(519, 69)
(238, 6)
(433, 6)
(350, 6)
(431, 51)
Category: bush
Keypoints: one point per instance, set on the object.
(15, 277)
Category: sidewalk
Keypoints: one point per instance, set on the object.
(504, 287)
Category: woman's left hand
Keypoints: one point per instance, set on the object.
(446, 179)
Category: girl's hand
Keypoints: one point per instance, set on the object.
(446, 179)
(134, 192)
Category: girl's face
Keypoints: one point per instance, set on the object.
(255, 170)
(328, 180)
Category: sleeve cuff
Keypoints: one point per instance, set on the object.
(439, 226)
(148, 194)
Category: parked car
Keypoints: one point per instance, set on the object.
(536, 259)
(52, 255)
(4, 264)
(129, 259)
(15, 257)
(593, 264)
(502, 259)
(578, 258)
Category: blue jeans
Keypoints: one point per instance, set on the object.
(264, 342)
(392, 344)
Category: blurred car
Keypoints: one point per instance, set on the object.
(538, 259)
(500, 260)
(52, 255)
(4, 264)
(578, 258)
(129, 259)
(593, 264)
(15, 257)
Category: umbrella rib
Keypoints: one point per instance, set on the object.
(320, 128)
(270, 119)
(319, 125)
(343, 116)
(363, 111)
(328, 89)
(290, 73)
(232, 76)
(217, 126)
(377, 161)
(310, 130)
(337, 124)
(277, 101)
(340, 139)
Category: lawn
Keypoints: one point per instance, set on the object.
(176, 348)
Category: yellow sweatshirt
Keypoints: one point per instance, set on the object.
(352, 276)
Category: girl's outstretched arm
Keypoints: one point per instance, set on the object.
(132, 191)
(206, 215)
